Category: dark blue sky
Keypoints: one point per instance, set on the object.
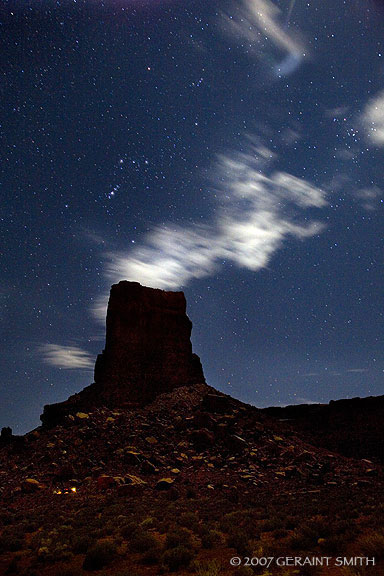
(230, 149)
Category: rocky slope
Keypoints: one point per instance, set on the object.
(125, 464)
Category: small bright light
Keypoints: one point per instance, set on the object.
(73, 489)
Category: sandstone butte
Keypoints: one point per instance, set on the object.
(148, 351)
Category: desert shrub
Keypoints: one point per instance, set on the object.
(142, 541)
(244, 571)
(124, 573)
(372, 545)
(232, 521)
(191, 494)
(30, 526)
(178, 557)
(210, 539)
(189, 520)
(310, 532)
(12, 567)
(128, 529)
(7, 519)
(151, 556)
(66, 571)
(290, 523)
(280, 533)
(333, 544)
(99, 555)
(121, 520)
(109, 528)
(239, 540)
(244, 520)
(300, 541)
(212, 568)
(178, 537)
(11, 542)
(81, 543)
(310, 570)
(148, 522)
(272, 523)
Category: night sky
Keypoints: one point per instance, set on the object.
(231, 149)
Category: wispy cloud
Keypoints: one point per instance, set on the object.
(358, 370)
(303, 400)
(373, 119)
(369, 197)
(66, 357)
(256, 210)
(259, 23)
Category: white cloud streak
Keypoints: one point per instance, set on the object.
(259, 24)
(66, 357)
(373, 119)
(357, 370)
(255, 213)
(369, 197)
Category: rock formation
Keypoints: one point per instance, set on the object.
(148, 351)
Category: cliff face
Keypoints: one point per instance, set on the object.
(148, 351)
(353, 427)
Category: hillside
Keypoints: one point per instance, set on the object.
(155, 472)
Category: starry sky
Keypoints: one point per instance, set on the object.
(231, 149)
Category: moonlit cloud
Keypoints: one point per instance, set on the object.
(357, 370)
(259, 23)
(373, 119)
(369, 197)
(304, 400)
(257, 210)
(66, 357)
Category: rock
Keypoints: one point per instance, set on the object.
(64, 472)
(235, 443)
(132, 457)
(164, 484)
(54, 414)
(148, 349)
(105, 483)
(291, 471)
(148, 468)
(204, 420)
(31, 485)
(82, 415)
(134, 480)
(6, 435)
(129, 489)
(151, 440)
(119, 480)
(217, 403)
(201, 439)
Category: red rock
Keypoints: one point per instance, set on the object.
(105, 483)
(148, 349)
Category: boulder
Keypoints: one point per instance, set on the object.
(201, 439)
(217, 403)
(31, 485)
(164, 484)
(105, 483)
